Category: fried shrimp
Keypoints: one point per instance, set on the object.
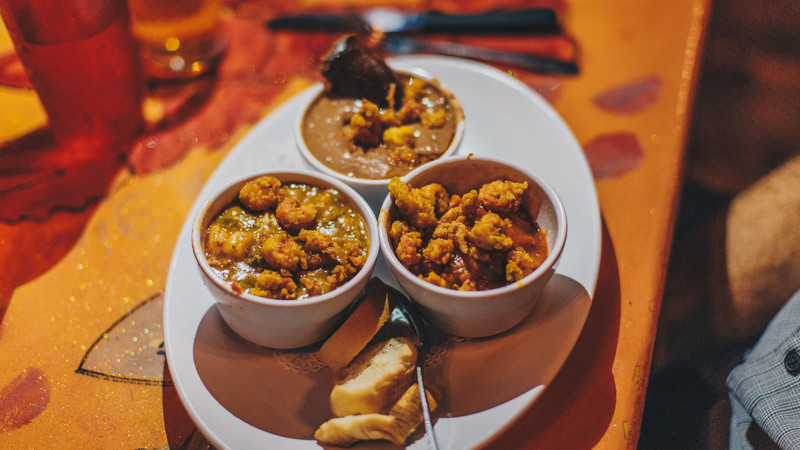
(398, 229)
(222, 242)
(439, 251)
(502, 196)
(261, 194)
(462, 208)
(355, 256)
(437, 194)
(520, 264)
(274, 285)
(340, 274)
(456, 232)
(408, 249)
(280, 251)
(413, 204)
(321, 249)
(294, 215)
(488, 233)
(315, 283)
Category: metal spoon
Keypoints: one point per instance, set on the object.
(416, 321)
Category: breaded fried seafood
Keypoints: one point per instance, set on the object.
(475, 240)
(286, 241)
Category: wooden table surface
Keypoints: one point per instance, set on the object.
(85, 249)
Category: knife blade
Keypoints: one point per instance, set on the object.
(387, 20)
(401, 45)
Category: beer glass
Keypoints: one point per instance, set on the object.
(178, 38)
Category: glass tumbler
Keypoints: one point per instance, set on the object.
(178, 38)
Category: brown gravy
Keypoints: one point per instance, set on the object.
(323, 135)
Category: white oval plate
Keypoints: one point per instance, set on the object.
(243, 396)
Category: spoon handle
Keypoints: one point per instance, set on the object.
(416, 321)
(426, 412)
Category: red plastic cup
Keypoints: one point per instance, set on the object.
(82, 60)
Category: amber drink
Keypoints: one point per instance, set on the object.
(178, 38)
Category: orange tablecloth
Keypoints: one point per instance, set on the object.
(84, 269)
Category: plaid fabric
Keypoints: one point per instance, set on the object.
(762, 389)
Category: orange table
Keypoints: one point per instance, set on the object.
(85, 249)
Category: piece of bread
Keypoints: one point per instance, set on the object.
(346, 431)
(374, 381)
(408, 411)
(360, 327)
(403, 418)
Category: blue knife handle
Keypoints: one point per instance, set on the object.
(538, 20)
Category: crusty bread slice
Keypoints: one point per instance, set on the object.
(403, 418)
(408, 410)
(346, 431)
(360, 327)
(374, 381)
